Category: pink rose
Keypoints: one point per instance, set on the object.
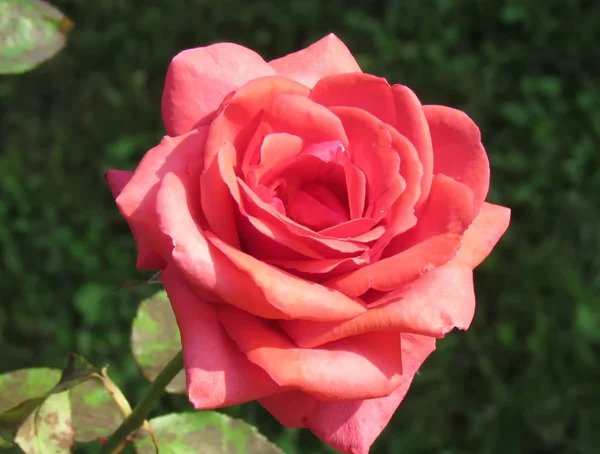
(317, 230)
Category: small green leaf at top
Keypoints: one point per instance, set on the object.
(155, 339)
(207, 432)
(31, 32)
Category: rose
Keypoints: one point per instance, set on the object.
(316, 231)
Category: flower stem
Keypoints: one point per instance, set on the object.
(139, 414)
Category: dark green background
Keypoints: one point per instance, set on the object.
(524, 379)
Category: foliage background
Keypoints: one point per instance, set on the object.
(524, 379)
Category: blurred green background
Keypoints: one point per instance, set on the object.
(524, 379)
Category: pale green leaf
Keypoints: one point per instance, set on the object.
(155, 339)
(94, 412)
(48, 430)
(31, 32)
(206, 432)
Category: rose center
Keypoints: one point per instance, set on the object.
(310, 188)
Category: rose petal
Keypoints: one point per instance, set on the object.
(412, 124)
(293, 296)
(217, 373)
(356, 183)
(371, 151)
(319, 270)
(275, 148)
(270, 223)
(206, 270)
(310, 212)
(266, 231)
(350, 229)
(402, 213)
(137, 200)
(431, 243)
(458, 151)
(364, 91)
(215, 197)
(235, 277)
(432, 305)
(198, 80)
(362, 367)
(393, 272)
(327, 56)
(211, 266)
(449, 208)
(298, 115)
(483, 234)
(147, 257)
(117, 179)
(240, 115)
(328, 197)
(232, 129)
(350, 427)
(384, 205)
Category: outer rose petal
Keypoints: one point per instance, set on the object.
(361, 367)
(147, 257)
(457, 150)
(217, 373)
(350, 427)
(198, 80)
(137, 200)
(440, 300)
(327, 56)
(117, 179)
(483, 234)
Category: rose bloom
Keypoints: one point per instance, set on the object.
(316, 229)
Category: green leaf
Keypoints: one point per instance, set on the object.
(94, 413)
(21, 392)
(24, 391)
(21, 385)
(31, 32)
(48, 430)
(207, 432)
(155, 339)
